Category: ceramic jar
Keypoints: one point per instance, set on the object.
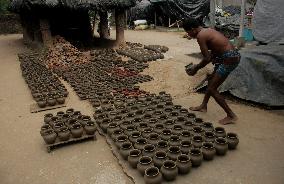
(159, 158)
(220, 132)
(233, 140)
(129, 130)
(184, 164)
(169, 170)
(185, 135)
(149, 150)
(140, 143)
(174, 140)
(120, 140)
(153, 176)
(209, 136)
(197, 130)
(196, 157)
(185, 146)
(134, 136)
(64, 134)
(133, 158)
(153, 138)
(125, 149)
(166, 134)
(77, 130)
(49, 136)
(208, 127)
(221, 146)
(144, 163)
(146, 132)
(173, 152)
(197, 141)
(208, 150)
(162, 146)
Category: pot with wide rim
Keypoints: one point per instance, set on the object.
(169, 170)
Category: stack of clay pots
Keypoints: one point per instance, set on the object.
(159, 138)
(46, 89)
(157, 48)
(66, 126)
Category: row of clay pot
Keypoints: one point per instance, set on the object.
(65, 126)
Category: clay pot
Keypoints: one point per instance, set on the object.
(42, 103)
(180, 120)
(162, 146)
(169, 124)
(77, 130)
(173, 152)
(166, 134)
(133, 158)
(208, 127)
(64, 134)
(220, 132)
(140, 143)
(188, 125)
(153, 176)
(208, 150)
(153, 138)
(185, 146)
(44, 128)
(159, 158)
(142, 126)
(104, 124)
(137, 121)
(146, 132)
(125, 149)
(159, 128)
(174, 140)
(184, 164)
(177, 129)
(196, 157)
(124, 124)
(197, 130)
(47, 117)
(209, 136)
(70, 111)
(120, 140)
(60, 100)
(112, 127)
(221, 146)
(134, 136)
(129, 130)
(233, 140)
(51, 101)
(152, 122)
(169, 170)
(197, 141)
(149, 150)
(116, 133)
(144, 163)
(58, 125)
(90, 128)
(49, 136)
(185, 135)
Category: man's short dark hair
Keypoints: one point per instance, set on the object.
(190, 23)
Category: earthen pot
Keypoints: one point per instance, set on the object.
(185, 146)
(77, 130)
(197, 130)
(47, 117)
(174, 140)
(221, 146)
(125, 149)
(134, 136)
(116, 133)
(169, 124)
(166, 134)
(159, 128)
(209, 136)
(188, 125)
(169, 170)
(104, 124)
(70, 111)
(144, 163)
(173, 152)
(197, 141)
(124, 124)
(162, 146)
(64, 134)
(208, 150)
(146, 132)
(112, 127)
(149, 150)
(153, 138)
(120, 140)
(90, 128)
(220, 132)
(133, 158)
(140, 143)
(51, 101)
(177, 129)
(185, 135)
(42, 103)
(208, 127)
(233, 140)
(152, 122)
(44, 128)
(196, 157)
(129, 130)
(60, 100)
(49, 136)
(159, 158)
(142, 126)
(153, 176)
(184, 164)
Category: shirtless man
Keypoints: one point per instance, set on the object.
(224, 57)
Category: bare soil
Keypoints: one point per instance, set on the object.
(258, 159)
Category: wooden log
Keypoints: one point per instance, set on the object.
(120, 24)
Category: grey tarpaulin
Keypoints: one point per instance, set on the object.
(268, 21)
(259, 76)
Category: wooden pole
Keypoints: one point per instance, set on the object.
(155, 19)
(243, 9)
(120, 24)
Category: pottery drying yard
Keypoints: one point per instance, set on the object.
(24, 158)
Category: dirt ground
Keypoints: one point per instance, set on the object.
(258, 159)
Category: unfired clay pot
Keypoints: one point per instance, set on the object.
(125, 149)
(152, 176)
(233, 140)
(169, 170)
(159, 158)
(196, 157)
(133, 158)
(221, 146)
(144, 163)
(208, 150)
(184, 164)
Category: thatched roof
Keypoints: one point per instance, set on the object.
(19, 5)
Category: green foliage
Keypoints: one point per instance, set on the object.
(4, 6)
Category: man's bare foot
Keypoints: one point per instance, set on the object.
(199, 108)
(228, 120)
